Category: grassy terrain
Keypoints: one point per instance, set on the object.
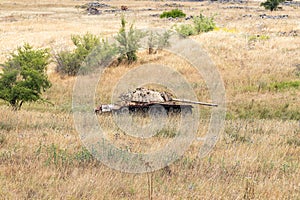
(257, 155)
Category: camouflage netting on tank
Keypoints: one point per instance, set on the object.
(144, 95)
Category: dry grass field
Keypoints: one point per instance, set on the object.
(257, 155)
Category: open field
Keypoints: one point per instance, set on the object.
(257, 155)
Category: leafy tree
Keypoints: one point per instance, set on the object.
(271, 4)
(24, 76)
(129, 42)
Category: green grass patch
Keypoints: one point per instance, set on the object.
(274, 86)
(54, 155)
(263, 111)
(285, 85)
(258, 38)
(166, 133)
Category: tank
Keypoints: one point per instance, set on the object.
(145, 100)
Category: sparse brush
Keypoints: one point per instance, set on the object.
(83, 156)
(157, 41)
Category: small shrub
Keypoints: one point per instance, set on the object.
(200, 24)
(158, 41)
(163, 40)
(186, 30)
(129, 42)
(83, 156)
(204, 24)
(271, 4)
(173, 14)
(69, 63)
(103, 53)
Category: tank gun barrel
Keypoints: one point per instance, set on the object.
(194, 102)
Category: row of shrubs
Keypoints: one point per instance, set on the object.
(90, 49)
(125, 48)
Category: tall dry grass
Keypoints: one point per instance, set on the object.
(257, 156)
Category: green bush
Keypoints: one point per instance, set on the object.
(102, 54)
(200, 24)
(69, 63)
(271, 4)
(129, 42)
(204, 24)
(24, 77)
(173, 14)
(83, 156)
(186, 30)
